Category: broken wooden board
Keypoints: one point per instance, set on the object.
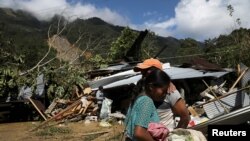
(38, 106)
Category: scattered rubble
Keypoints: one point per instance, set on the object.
(85, 107)
(221, 105)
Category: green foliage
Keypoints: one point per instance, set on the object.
(230, 50)
(10, 81)
(188, 47)
(7, 83)
(98, 61)
(61, 81)
(120, 46)
(30, 37)
(149, 46)
(230, 9)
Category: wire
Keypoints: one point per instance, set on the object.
(183, 56)
(176, 57)
(173, 57)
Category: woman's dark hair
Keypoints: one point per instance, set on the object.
(145, 72)
(157, 78)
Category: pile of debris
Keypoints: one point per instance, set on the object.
(61, 109)
(222, 105)
(83, 107)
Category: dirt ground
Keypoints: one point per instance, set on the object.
(78, 131)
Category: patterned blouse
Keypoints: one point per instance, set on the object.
(141, 114)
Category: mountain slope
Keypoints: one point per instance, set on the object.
(29, 35)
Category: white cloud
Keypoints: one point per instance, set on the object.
(202, 19)
(161, 28)
(46, 9)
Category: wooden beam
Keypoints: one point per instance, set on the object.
(33, 103)
(235, 83)
(216, 97)
(193, 112)
(220, 97)
(59, 114)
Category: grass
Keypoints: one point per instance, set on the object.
(113, 135)
(91, 137)
(51, 131)
(116, 137)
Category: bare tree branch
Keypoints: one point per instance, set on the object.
(82, 52)
(49, 42)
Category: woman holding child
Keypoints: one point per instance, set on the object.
(142, 110)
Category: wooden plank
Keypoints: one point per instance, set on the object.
(212, 100)
(216, 97)
(193, 112)
(59, 114)
(236, 82)
(77, 90)
(33, 103)
(51, 107)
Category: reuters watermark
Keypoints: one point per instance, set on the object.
(218, 132)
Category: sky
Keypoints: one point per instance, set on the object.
(198, 19)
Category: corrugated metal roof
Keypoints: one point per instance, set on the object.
(233, 118)
(113, 78)
(185, 73)
(214, 109)
(174, 72)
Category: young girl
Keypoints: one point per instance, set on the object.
(142, 110)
